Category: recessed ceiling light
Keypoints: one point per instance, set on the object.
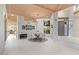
(12, 14)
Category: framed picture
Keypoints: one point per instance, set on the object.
(28, 27)
(47, 23)
(23, 27)
(47, 27)
(47, 30)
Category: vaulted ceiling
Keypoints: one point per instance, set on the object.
(33, 11)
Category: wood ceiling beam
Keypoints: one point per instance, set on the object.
(44, 7)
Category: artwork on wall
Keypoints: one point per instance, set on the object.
(47, 30)
(23, 27)
(28, 27)
(47, 23)
(47, 27)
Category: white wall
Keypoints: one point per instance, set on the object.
(74, 20)
(2, 27)
(76, 26)
(40, 25)
(33, 31)
(54, 30)
(68, 12)
(20, 22)
(10, 25)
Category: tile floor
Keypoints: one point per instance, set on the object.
(25, 47)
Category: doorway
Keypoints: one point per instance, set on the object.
(63, 27)
(10, 28)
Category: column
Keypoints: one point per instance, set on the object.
(20, 22)
(54, 26)
(2, 27)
